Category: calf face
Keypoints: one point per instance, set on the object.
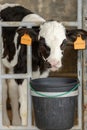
(53, 34)
(49, 38)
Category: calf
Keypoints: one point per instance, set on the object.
(46, 55)
(47, 42)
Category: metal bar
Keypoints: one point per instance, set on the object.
(79, 67)
(72, 23)
(84, 63)
(15, 76)
(79, 13)
(16, 24)
(0, 82)
(29, 71)
(35, 23)
(19, 76)
(19, 128)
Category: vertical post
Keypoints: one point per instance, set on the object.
(79, 67)
(79, 13)
(85, 63)
(29, 72)
(0, 81)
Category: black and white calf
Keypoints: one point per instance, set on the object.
(47, 41)
(46, 55)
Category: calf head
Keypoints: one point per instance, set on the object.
(52, 34)
(49, 38)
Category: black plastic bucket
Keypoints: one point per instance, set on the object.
(54, 101)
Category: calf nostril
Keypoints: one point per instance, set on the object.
(54, 62)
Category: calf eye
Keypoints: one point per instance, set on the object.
(63, 45)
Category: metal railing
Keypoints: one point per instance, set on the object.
(17, 76)
(77, 24)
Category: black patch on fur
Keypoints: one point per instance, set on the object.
(39, 47)
(8, 43)
(74, 33)
(44, 50)
(37, 60)
(15, 13)
(21, 66)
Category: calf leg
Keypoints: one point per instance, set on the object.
(23, 102)
(5, 119)
(14, 97)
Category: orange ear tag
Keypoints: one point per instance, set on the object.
(26, 39)
(79, 43)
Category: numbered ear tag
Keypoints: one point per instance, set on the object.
(79, 43)
(26, 39)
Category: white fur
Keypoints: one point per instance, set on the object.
(37, 74)
(33, 18)
(54, 34)
(23, 101)
(14, 96)
(12, 63)
(5, 119)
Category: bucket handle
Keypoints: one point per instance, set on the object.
(57, 95)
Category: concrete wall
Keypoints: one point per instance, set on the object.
(61, 10)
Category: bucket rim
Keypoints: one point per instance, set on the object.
(35, 81)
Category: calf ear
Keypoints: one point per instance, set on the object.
(73, 34)
(36, 29)
(31, 32)
(22, 30)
